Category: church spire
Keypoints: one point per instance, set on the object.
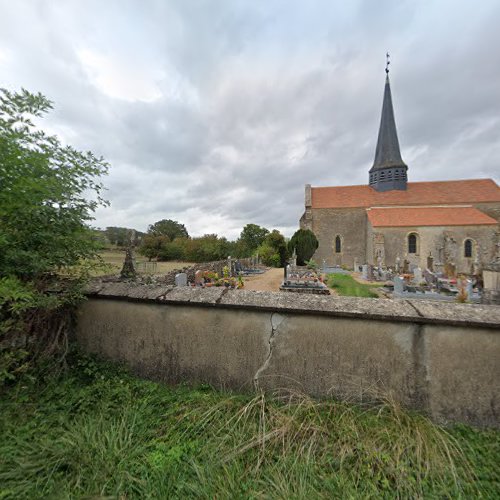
(388, 171)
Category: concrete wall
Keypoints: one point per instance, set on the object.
(439, 358)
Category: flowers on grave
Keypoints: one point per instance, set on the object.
(241, 283)
(225, 272)
(210, 277)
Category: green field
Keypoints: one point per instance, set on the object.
(114, 260)
(97, 432)
(346, 285)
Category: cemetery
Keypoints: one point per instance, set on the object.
(436, 282)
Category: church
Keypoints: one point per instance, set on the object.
(448, 226)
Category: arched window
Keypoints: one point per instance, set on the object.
(412, 243)
(468, 248)
(338, 244)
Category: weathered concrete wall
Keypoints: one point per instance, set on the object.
(443, 359)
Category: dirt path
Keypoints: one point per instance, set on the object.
(270, 281)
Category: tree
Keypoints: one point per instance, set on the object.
(44, 209)
(277, 241)
(152, 246)
(168, 227)
(305, 243)
(48, 193)
(253, 236)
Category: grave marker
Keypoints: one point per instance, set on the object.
(181, 279)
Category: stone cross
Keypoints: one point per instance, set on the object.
(128, 269)
(181, 279)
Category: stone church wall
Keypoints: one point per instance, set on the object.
(444, 243)
(350, 225)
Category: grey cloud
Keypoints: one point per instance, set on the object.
(258, 99)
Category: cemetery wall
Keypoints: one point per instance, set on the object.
(350, 225)
(439, 358)
(216, 266)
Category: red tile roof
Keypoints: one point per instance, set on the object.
(418, 193)
(428, 216)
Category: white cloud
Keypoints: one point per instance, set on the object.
(119, 79)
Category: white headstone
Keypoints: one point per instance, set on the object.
(468, 289)
(181, 279)
(417, 275)
(398, 285)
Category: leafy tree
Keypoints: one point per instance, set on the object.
(253, 236)
(268, 255)
(45, 213)
(170, 228)
(305, 244)
(277, 241)
(153, 246)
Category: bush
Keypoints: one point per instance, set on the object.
(305, 243)
(44, 227)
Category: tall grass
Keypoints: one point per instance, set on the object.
(101, 433)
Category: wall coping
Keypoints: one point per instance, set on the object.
(401, 310)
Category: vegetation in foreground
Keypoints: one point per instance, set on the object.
(347, 286)
(98, 431)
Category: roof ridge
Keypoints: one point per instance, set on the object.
(410, 183)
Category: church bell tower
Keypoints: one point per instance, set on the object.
(388, 172)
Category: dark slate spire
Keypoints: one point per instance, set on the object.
(389, 170)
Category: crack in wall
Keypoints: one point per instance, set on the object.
(276, 320)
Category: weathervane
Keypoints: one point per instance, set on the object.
(387, 62)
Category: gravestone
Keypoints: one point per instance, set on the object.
(198, 278)
(468, 289)
(429, 277)
(181, 279)
(405, 266)
(355, 265)
(430, 263)
(370, 272)
(398, 264)
(364, 273)
(417, 275)
(398, 285)
(450, 270)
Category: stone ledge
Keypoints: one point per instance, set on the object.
(413, 311)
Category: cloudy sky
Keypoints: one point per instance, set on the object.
(216, 113)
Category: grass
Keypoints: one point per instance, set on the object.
(114, 260)
(99, 432)
(346, 285)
